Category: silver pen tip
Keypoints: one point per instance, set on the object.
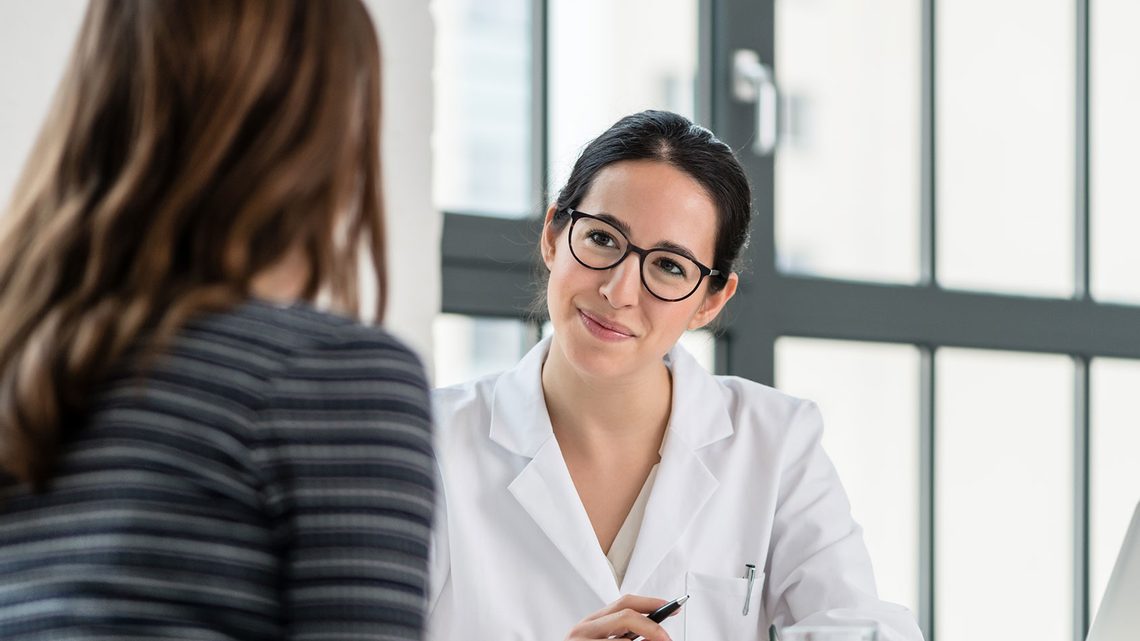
(681, 601)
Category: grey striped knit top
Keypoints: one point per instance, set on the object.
(271, 477)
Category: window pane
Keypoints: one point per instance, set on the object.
(1115, 449)
(483, 107)
(847, 171)
(1004, 126)
(467, 347)
(1004, 496)
(608, 59)
(1115, 137)
(868, 393)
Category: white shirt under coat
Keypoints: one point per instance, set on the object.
(742, 479)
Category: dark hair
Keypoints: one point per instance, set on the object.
(671, 138)
(190, 147)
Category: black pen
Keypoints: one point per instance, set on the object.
(660, 614)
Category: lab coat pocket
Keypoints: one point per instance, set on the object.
(716, 608)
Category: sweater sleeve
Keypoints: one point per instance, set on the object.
(344, 443)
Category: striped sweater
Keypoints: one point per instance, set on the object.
(271, 477)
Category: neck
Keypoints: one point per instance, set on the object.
(284, 281)
(604, 418)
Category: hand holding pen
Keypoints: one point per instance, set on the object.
(626, 618)
(660, 614)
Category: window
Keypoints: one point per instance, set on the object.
(656, 44)
(483, 94)
(1005, 145)
(1004, 495)
(1115, 448)
(1114, 99)
(864, 224)
(868, 394)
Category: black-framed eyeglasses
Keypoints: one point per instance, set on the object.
(669, 275)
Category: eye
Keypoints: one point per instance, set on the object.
(670, 266)
(601, 238)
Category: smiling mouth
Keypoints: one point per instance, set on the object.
(613, 329)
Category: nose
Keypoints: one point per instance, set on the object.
(622, 285)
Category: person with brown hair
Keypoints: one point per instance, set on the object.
(191, 447)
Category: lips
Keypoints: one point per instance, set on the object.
(607, 325)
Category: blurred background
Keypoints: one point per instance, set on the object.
(942, 256)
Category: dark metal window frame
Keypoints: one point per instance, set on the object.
(488, 270)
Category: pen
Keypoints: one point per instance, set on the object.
(750, 574)
(660, 614)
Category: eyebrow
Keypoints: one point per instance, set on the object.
(623, 227)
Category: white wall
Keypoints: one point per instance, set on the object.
(407, 38)
(35, 41)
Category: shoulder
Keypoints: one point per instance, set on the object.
(757, 406)
(340, 392)
(305, 358)
(465, 403)
(751, 396)
(300, 337)
(740, 406)
(765, 427)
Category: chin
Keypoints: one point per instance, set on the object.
(596, 358)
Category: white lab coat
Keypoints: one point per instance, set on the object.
(742, 479)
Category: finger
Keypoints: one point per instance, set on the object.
(623, 623)
(643, 604)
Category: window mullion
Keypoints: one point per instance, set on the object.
(928, 245)
(1081, 236)
(926, 497)
(539, 115)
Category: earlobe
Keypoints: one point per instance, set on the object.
(713, 303)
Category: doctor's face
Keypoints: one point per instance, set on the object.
(605, 321)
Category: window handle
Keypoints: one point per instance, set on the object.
(752, 82)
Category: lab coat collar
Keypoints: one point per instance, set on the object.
(520, 423)
(700, 410)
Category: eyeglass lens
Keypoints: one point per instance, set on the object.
(666, 274)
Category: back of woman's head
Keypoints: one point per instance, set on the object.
(667, 137)
(191, 146)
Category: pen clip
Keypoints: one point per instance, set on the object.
(750, 574)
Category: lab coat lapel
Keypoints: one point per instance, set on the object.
(544, 489)
(684, 483)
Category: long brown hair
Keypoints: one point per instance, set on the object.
(191, 145)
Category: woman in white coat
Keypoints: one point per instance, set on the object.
(608, 472)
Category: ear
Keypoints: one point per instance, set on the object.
(549, 238)
(713, 303)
